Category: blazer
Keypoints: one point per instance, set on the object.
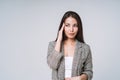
(82, 61)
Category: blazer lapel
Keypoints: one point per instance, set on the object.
(76, 57)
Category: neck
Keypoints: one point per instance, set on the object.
(70, 41)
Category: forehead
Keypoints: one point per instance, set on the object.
(70, 20)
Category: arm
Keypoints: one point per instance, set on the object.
(87, 73)
(53, 56)
(87, 69)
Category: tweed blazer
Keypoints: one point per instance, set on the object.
(82, 61)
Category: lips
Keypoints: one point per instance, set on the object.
(71, 33)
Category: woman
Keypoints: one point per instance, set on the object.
(68, 56)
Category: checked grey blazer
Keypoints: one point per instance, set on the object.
(82, 61)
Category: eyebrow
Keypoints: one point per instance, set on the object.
(73, 24)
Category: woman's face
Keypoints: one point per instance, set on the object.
(70, 28)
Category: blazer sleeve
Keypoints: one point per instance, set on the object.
(88, 64)
(53, 57)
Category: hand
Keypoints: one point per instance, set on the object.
(67, 78)
(75, 78)
(60, 33)
(59, 39)
(83, 77)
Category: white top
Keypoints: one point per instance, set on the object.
(68, 66)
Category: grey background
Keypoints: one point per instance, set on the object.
(26, 27)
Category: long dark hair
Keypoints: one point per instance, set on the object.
(74, 15)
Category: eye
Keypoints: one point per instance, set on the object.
(75, 25)
(67, 25)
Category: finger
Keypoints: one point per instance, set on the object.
(62, 27)
(67, 78)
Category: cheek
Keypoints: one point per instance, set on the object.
(76, 30)
(65, 29)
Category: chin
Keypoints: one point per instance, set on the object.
(71, 37)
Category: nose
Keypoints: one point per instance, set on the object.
(71, 29)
